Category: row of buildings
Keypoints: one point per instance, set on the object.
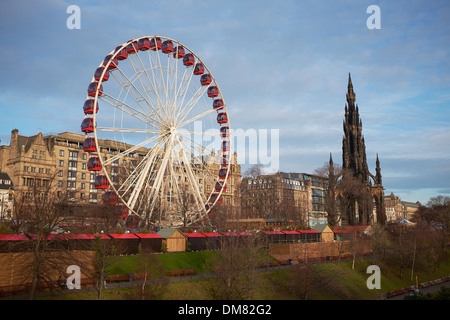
(297, 198)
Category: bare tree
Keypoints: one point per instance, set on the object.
(234, 267)
(152, 274)
(38, 209)
(332, 172)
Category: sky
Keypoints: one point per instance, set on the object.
(281, 65)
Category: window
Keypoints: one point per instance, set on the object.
(61, 153)
(72, 164)
(59, 184)
(83, 176)
(60, 173)
(84, 156)
(73, 154)
(61, 163)
(83, 185)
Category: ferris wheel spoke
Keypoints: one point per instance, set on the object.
(204, 168)
(199, 116)
(146, 91)
(161, 173)
(129, 84)
(155, 85)
(184, 111)
(129, 130)
(192, 181)
(139, 183)
(152, 85)
(182, 92)
(133, 176)
(124, 107)
(130, 150)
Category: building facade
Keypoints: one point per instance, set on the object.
(295, 197)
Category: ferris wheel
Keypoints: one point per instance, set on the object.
(158, 133)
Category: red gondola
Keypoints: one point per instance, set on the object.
(109, 197)
(188, 59)
(123, 53)
(98, 74)
(87, 126)
(133, 47)
(225, 131)
(94, 164)
(101, 182)
(167, 46)
(214, 197)
(222, 117)
(205, 79)
(218, 104)
(113, 64)
(155, 44)
(225, 160)
(223, 173)
(144, 44)
(213, 92)
(178, 52)
(88, 107)
(199, 69)
(89, 145)
(219, 186)
(225, 145)
(93, 88)
(132, 221)
(121, 211)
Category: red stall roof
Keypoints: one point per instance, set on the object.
(290, 232)
(308, 231)
(273, 232)
(212, 234)
(13, 237)
(148, 235)
(77, 236)
(230, 233)
(123, 236)
(194, 235)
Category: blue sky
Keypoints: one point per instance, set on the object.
(280, 65)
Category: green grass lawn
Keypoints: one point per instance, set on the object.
(171, 261)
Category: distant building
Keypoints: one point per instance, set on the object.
(296, 198)
(409, 209)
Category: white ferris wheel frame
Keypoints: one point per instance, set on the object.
(203, 208)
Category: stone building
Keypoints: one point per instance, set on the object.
(295, 197)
